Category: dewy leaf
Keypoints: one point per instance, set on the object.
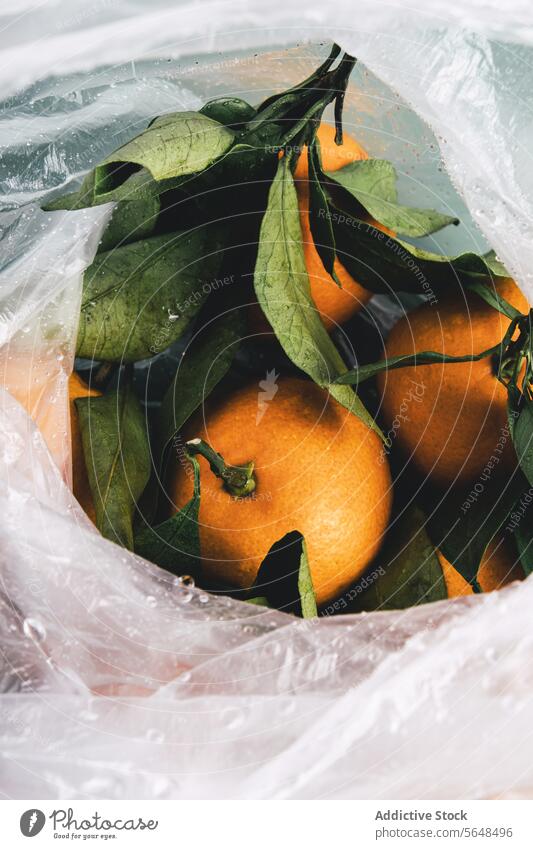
(407, 571)
(205, 362)
(463, 531)
(372, 182)
(284, 578)
(231, 111)
(283, 291)
(139, 298)
(321, 226)
(523, 439)
(174, 145)
(175, 544)
(383, 264)
(117, 457)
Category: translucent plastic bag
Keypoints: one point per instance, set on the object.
(118, 682)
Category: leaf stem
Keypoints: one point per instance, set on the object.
(238, 480)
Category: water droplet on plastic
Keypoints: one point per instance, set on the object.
(173, 316)
(184, 581)
(203, 598)
(155, 736)
(34, 629)
(151, 601)
(88, 715)
(235, 721)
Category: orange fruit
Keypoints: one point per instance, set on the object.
(319, 470)
(498, 568)
(335, 304)
(334, 156)
(77, 388)
(450, 418)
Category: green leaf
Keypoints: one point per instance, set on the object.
(406, 573)
(321, 226)
(205, 362)
(305, 586)
(130, 222)
(260, 600)
(494, 299)
(231, 111)
(74, 200)
(523, 438)
(372, 182)
(383, 264)
(284, 577)
(139, 298)
(174, 145)
(175, 544)
(283, 291)
(117, 457)
(463, 531)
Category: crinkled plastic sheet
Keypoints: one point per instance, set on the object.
(116, 681)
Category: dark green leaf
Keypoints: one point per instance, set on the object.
(283, 291)
(130, 222)
(463, 531)
(117, 457)
(321, 226)
(372, 182)
(407, 571)
(523, 439)
(384, 264)
(74, 200)
(284, 578)
(494, 299)
(205, 362)
(175, 544)
(230, 111)
(139, 298)
(174, 145)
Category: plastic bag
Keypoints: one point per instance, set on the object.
(117, 681)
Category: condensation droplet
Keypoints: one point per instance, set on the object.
(151, 601)
(155, 736)
(184, 581)
(34, 629)
(203, 598)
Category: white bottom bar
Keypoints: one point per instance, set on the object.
(269, 825)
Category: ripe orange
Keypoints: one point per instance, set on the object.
(334, 156)
(77, 388)
(450, 418)
(498, 568)
(317, 470)
(335, 305)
